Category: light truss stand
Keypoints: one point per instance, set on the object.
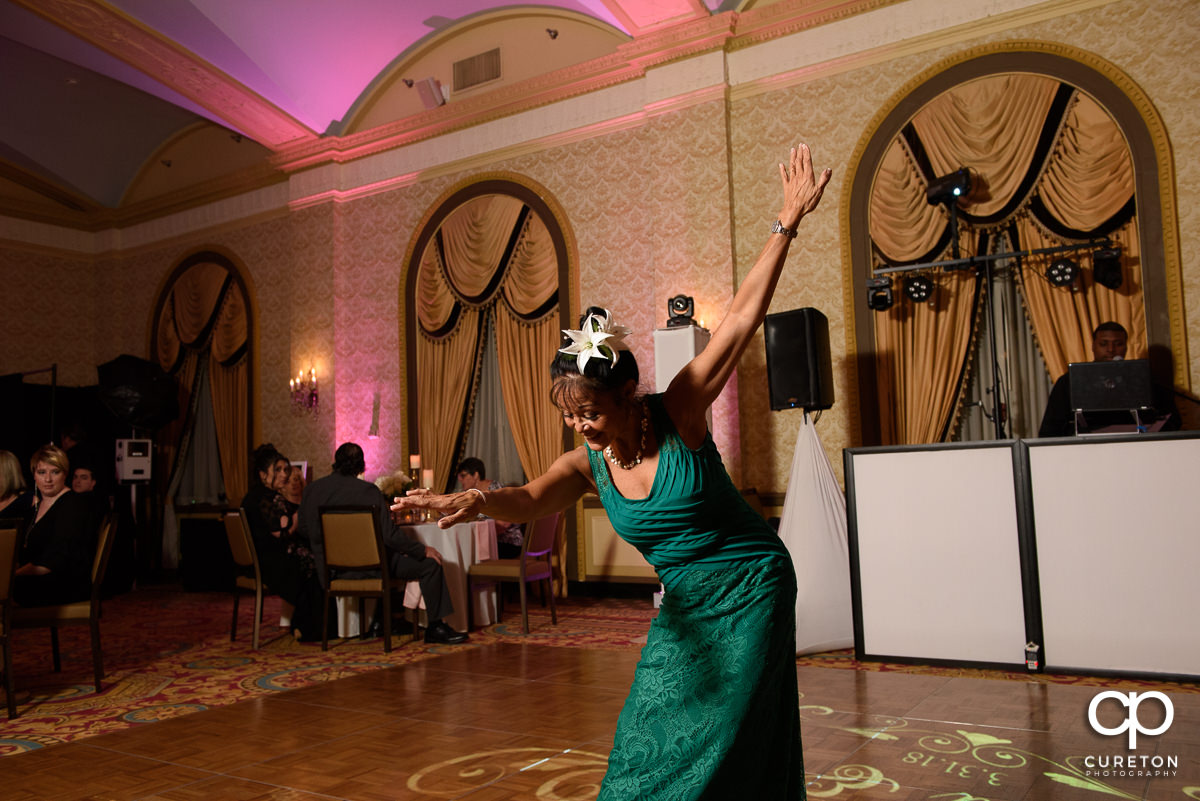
(985, 264)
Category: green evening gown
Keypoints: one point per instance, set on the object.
(714, 709)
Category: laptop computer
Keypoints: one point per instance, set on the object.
(1113, 397)
(1118, 386)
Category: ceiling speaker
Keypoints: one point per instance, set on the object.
(430, 90)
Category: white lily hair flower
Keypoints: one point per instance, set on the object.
(599, 337)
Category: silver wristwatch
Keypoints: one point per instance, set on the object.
(778, 228)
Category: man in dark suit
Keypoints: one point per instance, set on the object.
(409, 559)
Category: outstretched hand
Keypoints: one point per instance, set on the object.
(802, 188)
(454, 508)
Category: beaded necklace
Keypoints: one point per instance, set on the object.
(637, 459)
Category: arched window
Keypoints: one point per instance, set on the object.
(201, 335)
(1068, 152)
(489, 264)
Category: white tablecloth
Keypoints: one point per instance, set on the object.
(461, 545)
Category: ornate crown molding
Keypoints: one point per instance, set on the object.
(793, 16)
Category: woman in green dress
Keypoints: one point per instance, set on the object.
(713, 711)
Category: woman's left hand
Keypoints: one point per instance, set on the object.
(802, 188)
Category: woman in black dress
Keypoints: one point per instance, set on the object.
(286, 569)
(54, 565)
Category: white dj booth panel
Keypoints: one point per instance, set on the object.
(1118, 553)
(1088, 546)
(937, 552)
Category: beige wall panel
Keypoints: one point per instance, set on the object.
(49, 317)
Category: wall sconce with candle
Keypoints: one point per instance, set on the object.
(305, 397)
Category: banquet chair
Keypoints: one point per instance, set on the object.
(8, 564)
(354, 546)
(79, 612)
(247, 574)
(534, 564)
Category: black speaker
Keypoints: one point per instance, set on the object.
(799, 373)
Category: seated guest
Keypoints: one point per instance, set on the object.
(409, 559)
(293, 488)
(286, 564)
(1109, 342)
(286, 509)
(54, 565)
(84, 484)
(509, 536)
(83, 479)
(295, 547)
(15, 501)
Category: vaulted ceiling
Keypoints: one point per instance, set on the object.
(94, 90)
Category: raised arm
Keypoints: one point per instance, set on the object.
(556, 489)
(695, 387)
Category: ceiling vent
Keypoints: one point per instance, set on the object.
(476, 70)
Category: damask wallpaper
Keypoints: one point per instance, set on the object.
(674, 202)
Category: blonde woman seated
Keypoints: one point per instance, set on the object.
(55, 560)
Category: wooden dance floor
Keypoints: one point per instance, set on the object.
(534, 722)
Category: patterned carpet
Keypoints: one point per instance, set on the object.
(167, 653)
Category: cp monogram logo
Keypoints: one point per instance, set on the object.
(1131, 724)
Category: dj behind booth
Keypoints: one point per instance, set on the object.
(1108, 395)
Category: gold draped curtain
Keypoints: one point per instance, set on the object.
(1052, 168)
(204, 316)
(492, 258)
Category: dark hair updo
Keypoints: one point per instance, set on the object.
(261, 460)
(600, 374)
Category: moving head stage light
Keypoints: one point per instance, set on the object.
(949, 188)
(1106, 267)
(879, 294)
(680, 311)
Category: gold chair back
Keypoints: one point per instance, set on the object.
(104, 543)
(353, 543)
(8, 563)
(247, 575)
(241, 545)
(352, 539)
